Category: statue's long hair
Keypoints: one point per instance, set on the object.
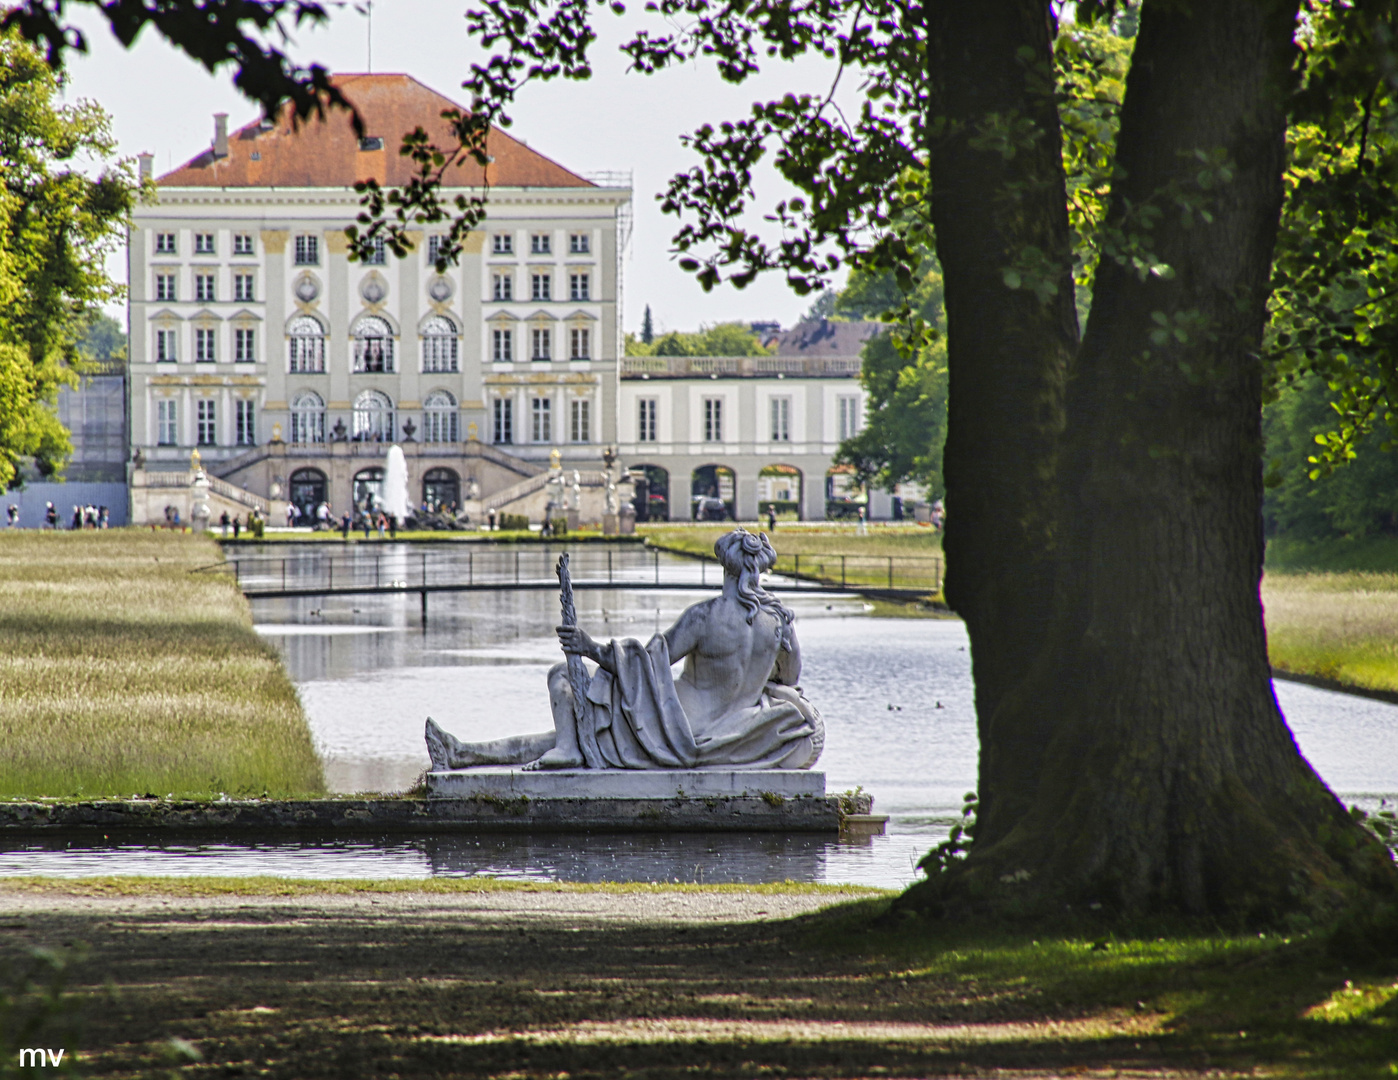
(746, 556)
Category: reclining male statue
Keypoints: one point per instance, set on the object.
(736, 704)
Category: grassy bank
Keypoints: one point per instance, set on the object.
(817, 550)
(671, 985)
(1342, 627)
(123, 673)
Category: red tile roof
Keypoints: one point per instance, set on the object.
(327, 153)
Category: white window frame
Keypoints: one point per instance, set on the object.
(780, 410)
(580, 285)
(647, 411)
(167, 429)
(439, 351)
(205, 244)
(580, 243)
(166, 345)
(502, 243)
(206, 288)
(165, 243)
(541, 420)
(502, 431)
(541, 285)
(205, 345)
(245, 422)
(373, 352)
(244, 289)
(580, 421)
(439, 418)
(541, 343)
(847, 413)
(244, 345)
(502, 287)
(713, 419)
(580, 343)
(308, 418)
(206, 422)
(306, 250)
(378, 254)
(165, 288)
(305, 352)
(243, 244)
(502, 342)
(541, 244)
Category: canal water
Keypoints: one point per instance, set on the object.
(896, 696)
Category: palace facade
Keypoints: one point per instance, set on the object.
(256, 340)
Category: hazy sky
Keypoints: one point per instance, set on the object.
(163, 103)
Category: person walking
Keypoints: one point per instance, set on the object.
(771, 517)
(382, 523)
(237, 526)
(345, 522)
(490, 516)
(223, 521)
(51, 515)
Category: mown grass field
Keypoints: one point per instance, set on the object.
(1338, 626)
(121, 673)
(292, 979)
(816, 549)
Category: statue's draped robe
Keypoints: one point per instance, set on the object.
(634, 720)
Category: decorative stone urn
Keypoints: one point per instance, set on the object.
(199, 512)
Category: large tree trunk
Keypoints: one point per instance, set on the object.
(998, 188)
(1160, 774)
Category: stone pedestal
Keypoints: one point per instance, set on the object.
(507, 783)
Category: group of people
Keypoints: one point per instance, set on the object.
(254, 525)
(84, 517)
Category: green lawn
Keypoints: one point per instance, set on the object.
(828, 550)
(121, 673)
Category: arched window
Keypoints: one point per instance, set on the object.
(308, 418)
(439, 345)
(368, 489)
(307, 492)
(373, 345)
(441, 489)
(306, 342)
(439, 418)
(373, 417)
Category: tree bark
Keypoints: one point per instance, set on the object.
(997, 189)
(1158, 772)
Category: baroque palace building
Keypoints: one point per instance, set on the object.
(255, 339)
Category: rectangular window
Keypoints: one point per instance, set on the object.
(541, 286)
(244, 346)
(541, 243)
(713, 419)
(166, 434)
(503, 430)
(581, 421)
(242, 287)
(203, 243)
(378, 253)
(503, 346)
(580, 286)
(579, 243)
(645, 420)
(307, 250)
(242, 244)
(849, 417)
(165, 243)
(581, 343)
(434, 247)
(781, 419)
(165, 347)
(206, 425)
(246, 426)
(541, 413)
(204, 346)
(503, 243)
(165, 286)
(504, 287)
(204, 287)
(543, 344)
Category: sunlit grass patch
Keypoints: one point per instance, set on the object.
(1353, 1002)
(123, 672)
(1334, 626)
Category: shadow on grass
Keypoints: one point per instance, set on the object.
(302, 987)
